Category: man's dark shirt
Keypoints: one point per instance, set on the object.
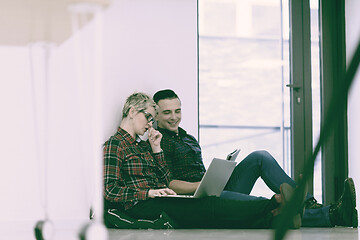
(182, 155)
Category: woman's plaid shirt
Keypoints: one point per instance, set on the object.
(131, 169)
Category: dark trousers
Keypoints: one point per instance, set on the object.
(208, 212)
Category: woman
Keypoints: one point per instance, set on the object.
(136, 176)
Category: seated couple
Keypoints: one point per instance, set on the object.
(170, 162)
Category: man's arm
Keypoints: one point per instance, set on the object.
(182, 187)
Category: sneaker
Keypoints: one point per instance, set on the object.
(115, 218)
(343, 212)
(311, 203)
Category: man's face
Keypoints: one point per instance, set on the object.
(169, 114)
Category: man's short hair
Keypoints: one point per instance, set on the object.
(164, 94)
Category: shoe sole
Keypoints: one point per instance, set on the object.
(349, 183)
(351, 186)
(355, 219)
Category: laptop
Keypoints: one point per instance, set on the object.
(214, 179)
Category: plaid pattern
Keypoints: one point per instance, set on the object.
(131, 170)
(182, 155)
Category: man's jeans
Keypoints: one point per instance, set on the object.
(262, 164)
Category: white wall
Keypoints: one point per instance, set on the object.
(352, 39)
(156, 48)
(148, 45)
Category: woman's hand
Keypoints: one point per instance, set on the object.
(154, 140)
(160, 192)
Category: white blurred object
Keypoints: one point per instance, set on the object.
(95, 229)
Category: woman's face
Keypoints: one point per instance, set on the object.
(143, 120)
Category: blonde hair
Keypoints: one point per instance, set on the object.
(140, 101)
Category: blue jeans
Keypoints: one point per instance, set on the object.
(262, 164)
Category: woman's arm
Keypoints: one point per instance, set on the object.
(154, 140)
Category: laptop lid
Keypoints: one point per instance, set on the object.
(215, 178)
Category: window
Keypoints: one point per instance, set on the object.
(243, 72)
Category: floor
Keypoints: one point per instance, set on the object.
(117, 234)
(302, 234)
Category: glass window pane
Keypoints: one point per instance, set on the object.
(243, 70)
(316, 100)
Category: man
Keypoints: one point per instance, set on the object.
(183, 156)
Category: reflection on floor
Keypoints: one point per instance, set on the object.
(302, 234)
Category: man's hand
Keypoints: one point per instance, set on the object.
(154, 140)
(183, 187)
(160, 192)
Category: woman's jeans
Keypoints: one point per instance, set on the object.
(262, 164)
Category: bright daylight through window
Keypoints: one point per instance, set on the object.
(243, 71)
